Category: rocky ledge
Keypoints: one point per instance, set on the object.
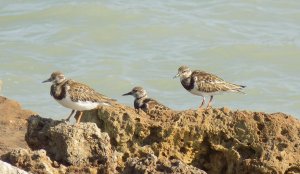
(117, 140)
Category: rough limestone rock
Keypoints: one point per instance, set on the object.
(37, 162)
(151, 165)
(217, 141)
(6, 168)
(214, 140)
(13, 125)
(72, 145)
(33, 161)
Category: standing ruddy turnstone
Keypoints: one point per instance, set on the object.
(205, 84)
(142, 102)
(75, 95)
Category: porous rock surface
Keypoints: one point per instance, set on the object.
(32, 161)
(214, 140)
(72, 145)
(209, 141)
(151, 164)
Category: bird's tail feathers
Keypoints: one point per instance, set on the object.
(109, 102)
(242, 86)
(104, 104)
(239, 91)
(237, 88)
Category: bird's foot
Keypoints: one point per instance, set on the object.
(65, 120)
(137, 111)
(208, 107)
(201, 109)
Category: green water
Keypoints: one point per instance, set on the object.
(116, 45)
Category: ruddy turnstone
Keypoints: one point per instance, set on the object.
(142, 102)
(75, 95)
(205, 84)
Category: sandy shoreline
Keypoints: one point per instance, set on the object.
(13, 125)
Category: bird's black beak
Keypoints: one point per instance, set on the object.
(48, 80)
(129, 93)
(177, 75)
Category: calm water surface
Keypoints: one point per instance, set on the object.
(116, 45)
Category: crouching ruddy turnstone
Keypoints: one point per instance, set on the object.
(75, 95)
(204, 84)
(142, 102)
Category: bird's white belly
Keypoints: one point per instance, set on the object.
(79, 105)
(205, 94)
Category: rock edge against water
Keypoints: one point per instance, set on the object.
(117, 140)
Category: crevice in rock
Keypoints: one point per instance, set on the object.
(155, 136)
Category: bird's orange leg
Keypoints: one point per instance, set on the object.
(210, 101)
(79, 117)
(203, 102)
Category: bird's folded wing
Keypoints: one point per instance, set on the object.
(83, 92)
(154, 105)
(209, 83)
